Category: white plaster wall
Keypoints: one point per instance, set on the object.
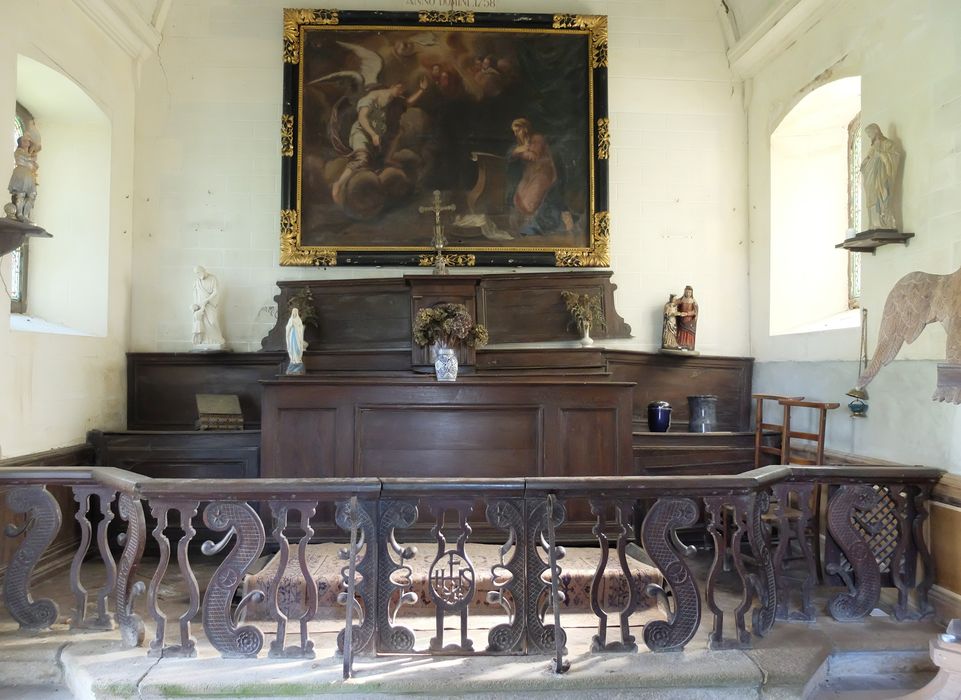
(909, 57)
(54, 388)
(208, 168)
(68, 274)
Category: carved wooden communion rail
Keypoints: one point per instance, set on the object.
(875, 516)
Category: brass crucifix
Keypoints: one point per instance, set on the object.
(440, 264)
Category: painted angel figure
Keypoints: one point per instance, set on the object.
(375, 126)
(917, 299)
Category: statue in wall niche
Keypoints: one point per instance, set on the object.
(917, 299)
(295, 343)
(23, 181)
(879, 172)
(206, 324)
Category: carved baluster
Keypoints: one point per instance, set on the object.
(659, 538)
(911, 504)
(353, 518)
(740, 508)
(559, 665)
(130, 624)
(105, 498)
(508, 578)
(743, 510)
(452, 579)
(188, 512)
(306, 646)
(279, 513)
(921, 497)
(866, 584)
(159, 511)
(82, 496)
(187, 647)
(241, 521)
(543, 516)
(804, 492)
(394, 576)
(762, 581)
(41, 525)
(622, 514)
(715, 508)
(897, 493)
(363, 577)
(307, 511)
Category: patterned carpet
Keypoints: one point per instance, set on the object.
(578, 567)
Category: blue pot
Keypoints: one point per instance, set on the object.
(658, 416)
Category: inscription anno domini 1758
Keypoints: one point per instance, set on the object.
(454, 4)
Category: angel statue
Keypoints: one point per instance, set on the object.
(917, 299)
(375, 127)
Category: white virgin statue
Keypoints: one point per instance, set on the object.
(206, 325)
(879, 171)
(295, 343)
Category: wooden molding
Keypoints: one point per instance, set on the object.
(70, 456)
(948, 490)
(780, 28)
(947, 603)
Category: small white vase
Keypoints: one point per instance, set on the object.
(585, 328)
(445, 366)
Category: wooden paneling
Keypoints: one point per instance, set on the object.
(65, 543)
(948, 491)
(195, 454)
(529, 307)
(676, 453)
(376, 314)
(589, 443)
(452, 441)
(359, 314)
(670, 378)
(162, 387)
(475, 427)
(304, 457)
(946, 545)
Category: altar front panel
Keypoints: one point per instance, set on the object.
(474, 427)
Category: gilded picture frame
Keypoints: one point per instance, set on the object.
(480, 135)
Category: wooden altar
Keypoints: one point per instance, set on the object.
(419, 427)
(532, 403)
(475, 427)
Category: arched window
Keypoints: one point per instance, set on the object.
(814, 196)
(68, 273)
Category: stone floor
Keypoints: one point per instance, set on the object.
(876, 658)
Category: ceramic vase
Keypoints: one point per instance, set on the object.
(702, 413)
(658, 416)
(585, 329)
(445, 366)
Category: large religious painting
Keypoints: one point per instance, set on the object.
(493, 126)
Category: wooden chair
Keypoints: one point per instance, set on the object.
(760, 426)
(788, 436)
(789, 454)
